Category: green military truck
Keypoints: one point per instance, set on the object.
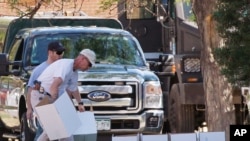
(168, 27)
(125, 94)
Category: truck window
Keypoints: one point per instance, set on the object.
(39, 51)
(16, 51)
(111, 49)
(185, 12)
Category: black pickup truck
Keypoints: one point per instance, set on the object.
(135, 102)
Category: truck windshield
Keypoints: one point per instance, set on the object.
(109, 48)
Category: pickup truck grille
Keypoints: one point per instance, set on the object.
(124, 97)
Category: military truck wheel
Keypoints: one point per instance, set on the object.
(166, 127)
(26, 133)
(173, 110)
(180, 116)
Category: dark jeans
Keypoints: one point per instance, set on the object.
(39, 131)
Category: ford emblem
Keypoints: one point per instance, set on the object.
(99, 96)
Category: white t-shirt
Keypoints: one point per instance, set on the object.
(61, 68)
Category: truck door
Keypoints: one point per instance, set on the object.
(12, 85)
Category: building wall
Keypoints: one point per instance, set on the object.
(90, 7)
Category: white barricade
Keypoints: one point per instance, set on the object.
(199, 136)
(183, 137)
(212, 136)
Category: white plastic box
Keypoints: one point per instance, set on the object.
(88, 130)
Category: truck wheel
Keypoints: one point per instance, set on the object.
(26, 133)
(166, 127)
(173, 110)
(180, 116)
(2, 131)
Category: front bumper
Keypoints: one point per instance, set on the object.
(150, 121)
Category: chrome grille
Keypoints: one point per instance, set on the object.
(124, 97)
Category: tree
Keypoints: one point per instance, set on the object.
(219, 98)
(218, 90)
(233, 25)
(29, 8)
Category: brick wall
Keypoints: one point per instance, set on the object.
(90, 7)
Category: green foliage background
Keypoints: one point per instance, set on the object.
(233, 24)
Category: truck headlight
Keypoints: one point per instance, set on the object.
(152, 95)
(192, 65)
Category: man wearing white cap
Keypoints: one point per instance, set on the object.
(62, 76)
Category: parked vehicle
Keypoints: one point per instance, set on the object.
(124, 93)
(147, 80)
(168, 28)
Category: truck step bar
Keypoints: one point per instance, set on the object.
(11, 136)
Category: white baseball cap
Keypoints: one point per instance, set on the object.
(90, 55)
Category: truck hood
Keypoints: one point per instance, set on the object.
(118, 73)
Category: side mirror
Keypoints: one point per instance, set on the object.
(167, 67)
(4, 65)
(153, 65)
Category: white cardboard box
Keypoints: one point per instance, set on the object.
(59, 119)
(88, 130)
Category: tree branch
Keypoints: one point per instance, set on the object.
(33, 11)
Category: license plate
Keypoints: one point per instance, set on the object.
(103, 124)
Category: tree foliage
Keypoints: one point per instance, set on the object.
(29, 8)
(107, 4)
(233, 18)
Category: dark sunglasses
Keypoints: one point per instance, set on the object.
(59, 52)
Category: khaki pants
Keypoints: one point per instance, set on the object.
(35, 97)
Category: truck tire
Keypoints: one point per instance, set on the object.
(2, 131)
(166, 127)
(26, 133)
(180, 116)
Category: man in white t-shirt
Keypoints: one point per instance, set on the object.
(62, 76)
